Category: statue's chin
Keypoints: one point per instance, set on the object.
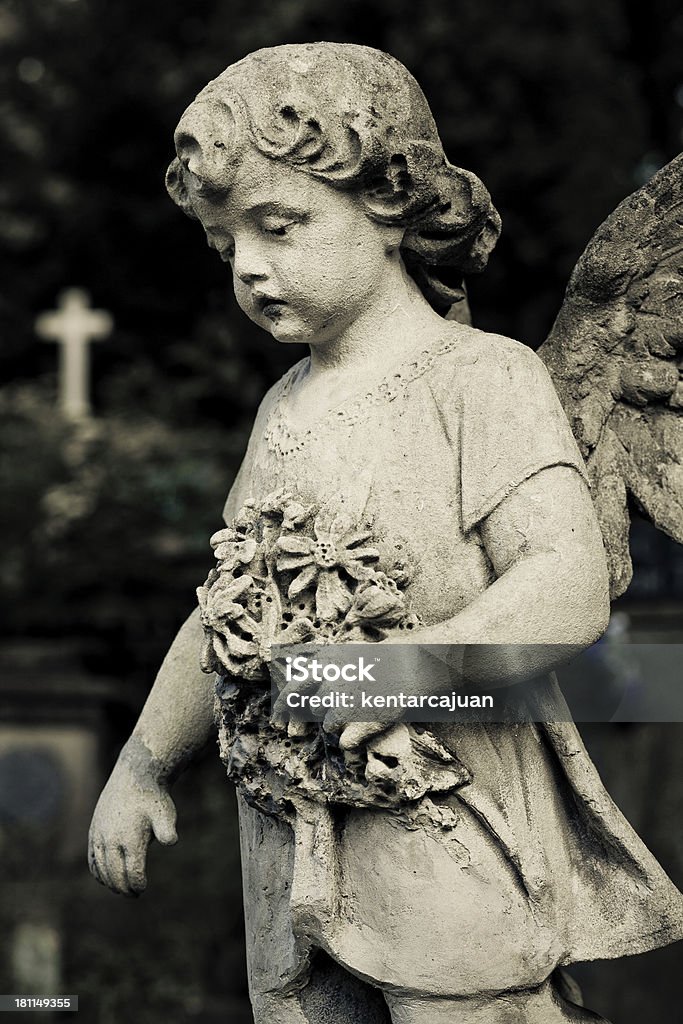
(289, 334)
(279, 325)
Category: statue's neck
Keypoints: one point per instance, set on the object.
(398, 321)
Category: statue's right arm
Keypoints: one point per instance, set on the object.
(135, 804)
(175, 722)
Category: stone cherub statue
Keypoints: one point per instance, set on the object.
(413, 479)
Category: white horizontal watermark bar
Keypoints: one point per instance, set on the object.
(485, 682)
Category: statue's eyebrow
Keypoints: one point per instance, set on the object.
(273, 208)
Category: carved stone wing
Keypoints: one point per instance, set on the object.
(615, 354)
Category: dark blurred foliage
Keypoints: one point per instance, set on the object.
(562, 107)
(109, 522)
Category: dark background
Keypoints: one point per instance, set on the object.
(562, 107)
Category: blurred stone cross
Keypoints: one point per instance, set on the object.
(74, 325)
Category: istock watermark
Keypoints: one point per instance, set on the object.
(303, 669)
(485, 683)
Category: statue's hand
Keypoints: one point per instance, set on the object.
(411, 670)
(133, 807)
(414, 671)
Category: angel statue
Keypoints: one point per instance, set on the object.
(415, 481)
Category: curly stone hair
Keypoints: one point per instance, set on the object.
(355, 118)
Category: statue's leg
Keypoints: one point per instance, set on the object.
(290, 980)
(543, 1005)
(330, 996)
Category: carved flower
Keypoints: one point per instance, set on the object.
(288, 573)
(282, 503)
(231, 629)
(246, 519)
(319, 561)
(232, 550)
(377, 602)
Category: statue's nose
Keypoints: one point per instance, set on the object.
(248, 265)
(249, 276)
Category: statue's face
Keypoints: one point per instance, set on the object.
(305, 258)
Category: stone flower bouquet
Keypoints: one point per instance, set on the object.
(288, 573)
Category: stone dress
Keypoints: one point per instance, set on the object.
(540, 868)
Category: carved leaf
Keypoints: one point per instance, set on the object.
(295, 545)
(303, 580)
(332, 597)
(615, 354)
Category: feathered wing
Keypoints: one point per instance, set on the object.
(615, 354)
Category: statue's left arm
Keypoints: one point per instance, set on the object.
(550, 599)
(551, 589)
(523, 490)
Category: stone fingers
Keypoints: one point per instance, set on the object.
(134, 869)
(96, 859)
(359, 732)
(114, 875)
(282, 710)
(119, 866)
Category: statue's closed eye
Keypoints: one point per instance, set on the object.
(281, 225)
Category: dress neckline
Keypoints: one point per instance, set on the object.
(284, 439)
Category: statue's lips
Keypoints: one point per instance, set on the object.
(268, 305)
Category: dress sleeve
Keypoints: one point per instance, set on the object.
(512, 426)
